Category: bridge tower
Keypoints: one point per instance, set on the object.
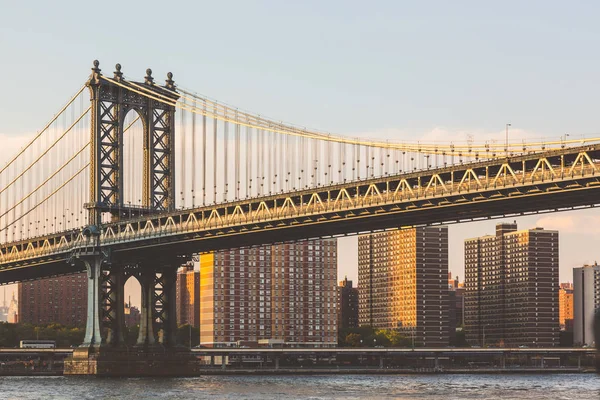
(103, 351)
(111, 102)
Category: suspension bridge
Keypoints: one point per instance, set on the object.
(133, 178)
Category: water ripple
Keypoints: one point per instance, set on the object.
(430, 387)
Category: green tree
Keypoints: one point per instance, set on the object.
(353, 340)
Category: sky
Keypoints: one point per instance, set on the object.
(427, 70)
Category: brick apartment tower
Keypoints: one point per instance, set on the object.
(511, 282)
(61, 300)
(285, 292)
(403, 283)
(188, 296)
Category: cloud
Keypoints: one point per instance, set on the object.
(573, 224)
(451, 135)
(11, 144)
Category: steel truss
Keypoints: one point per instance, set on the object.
(555, 180)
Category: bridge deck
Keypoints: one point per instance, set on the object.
(541, 182)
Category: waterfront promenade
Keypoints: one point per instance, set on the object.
(305, 361)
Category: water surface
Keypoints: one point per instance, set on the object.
(431, 387)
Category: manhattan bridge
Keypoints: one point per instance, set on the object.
(134, 178)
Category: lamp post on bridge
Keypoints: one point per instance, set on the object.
(507, 125)
(563, 139)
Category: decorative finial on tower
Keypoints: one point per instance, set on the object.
(170, 82)
(118, 73)
(95, 77)
(149, 79)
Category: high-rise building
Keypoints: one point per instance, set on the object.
(188, 296)
(460, 306)
(456, 306)
(348, 305)
(61, 300)
(132, 314)
(565, 305)
(284, 292)
(511, 282)
(586, 302)
(13, 311)
(403, 283)
(452, 282)
(4, 307)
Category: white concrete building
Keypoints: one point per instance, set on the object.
(586, 300)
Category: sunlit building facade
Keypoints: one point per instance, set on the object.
(188, 296)
(565, 305)
(403, 283)
(284, 292)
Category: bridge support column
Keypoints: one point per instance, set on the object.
(146, 335)
(93, 334)
(114, 288)
(168, 312)
(276, 362)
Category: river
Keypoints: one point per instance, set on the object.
(430, 387)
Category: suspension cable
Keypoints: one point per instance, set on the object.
(65, 164)
(275, 127)
(36, 137)
(46, 151)
(46, 198)
(479, 150)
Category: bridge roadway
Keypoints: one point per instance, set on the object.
(554, 180)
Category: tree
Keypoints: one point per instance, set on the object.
(353, 340)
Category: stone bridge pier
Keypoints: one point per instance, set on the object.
(104, 351)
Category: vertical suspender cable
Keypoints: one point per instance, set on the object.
(247, 175)
(193, 156)
(237, 157)
(214, 156)
(183, 151)
(276, 158)
(358, 148)
(204, 156)
(251, 168)
(268, 142)
(225, 164)
(261, 163)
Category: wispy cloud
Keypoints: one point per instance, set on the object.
(452, 135)
(573, 224)
(11, 144)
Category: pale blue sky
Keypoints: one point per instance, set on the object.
(407, 70)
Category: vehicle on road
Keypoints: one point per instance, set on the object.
(37, 344)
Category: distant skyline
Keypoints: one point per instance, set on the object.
(431, 71)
